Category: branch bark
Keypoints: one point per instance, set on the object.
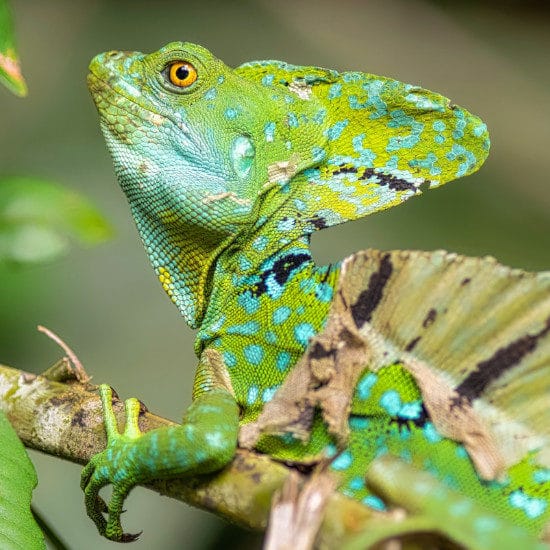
(65, 419)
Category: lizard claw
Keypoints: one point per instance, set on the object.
(130, 537)
(112, 466)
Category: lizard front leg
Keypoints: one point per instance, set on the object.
(204, 442)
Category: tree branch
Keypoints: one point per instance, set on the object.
(65, 419)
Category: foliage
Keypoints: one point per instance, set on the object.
(17, 480)
(10, 71)
(39, 218)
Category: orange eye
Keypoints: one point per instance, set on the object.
(182, 74)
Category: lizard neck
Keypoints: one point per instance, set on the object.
(267, 300)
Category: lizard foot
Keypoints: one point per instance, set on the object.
(113, 466)
(203, 443)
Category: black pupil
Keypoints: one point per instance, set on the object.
(182, 72)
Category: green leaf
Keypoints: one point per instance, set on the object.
(10, 71)
(38, 220)
(17, 480)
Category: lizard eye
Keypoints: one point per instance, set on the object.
(182, 74)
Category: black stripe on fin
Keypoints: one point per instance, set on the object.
(368, 300)
(501, 361)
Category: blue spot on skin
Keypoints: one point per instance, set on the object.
(244, 263)
(267, 80)
(324, 292)
(411, 411)
(439, 138)
(391, 402)
(318, 153)
(335, 131)
(430, 433)
(217, 325)
(365, 159)
(292, 120)
(274, 289)
(335, 90)
(400, 119)
(254, 354)
(281, 314)
(307, 285)
(458, 152)
(260, 243)
(358, 422)
(300, 205)
(428, 163)
(330, 450)
(352, 76)
(283, 361)
(270, 337)
(425, 103)
(248, 302)
(319, 116)
(365, 385)
(268, 393)
(342, 461)
(230, 113)
(541, 476)
(480, 129)
(221, 78)
(211, 94)
(303, 332)
(438, 126)
(286, 224)
(374, 502)
(269, 131)
(373, 88)
(533, 507)
(460, 125)
(366, 154)
(252, 395)
(391, 164)
(461, 452)
(246, 329)
(229, 359)
(357, 483)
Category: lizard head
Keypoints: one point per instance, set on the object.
(190, 138)
(206, 154)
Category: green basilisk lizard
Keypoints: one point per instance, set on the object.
(439, 360)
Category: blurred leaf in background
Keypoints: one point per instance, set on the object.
(10, 71)
(38, 220)
(17, 480)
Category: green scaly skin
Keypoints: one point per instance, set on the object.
(227, 179)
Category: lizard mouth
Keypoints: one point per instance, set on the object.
(110, 98)
(104, 93)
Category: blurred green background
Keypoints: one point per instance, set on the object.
(491, 57)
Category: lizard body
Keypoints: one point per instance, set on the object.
(228, 173)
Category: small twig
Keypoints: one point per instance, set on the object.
(79, 371)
